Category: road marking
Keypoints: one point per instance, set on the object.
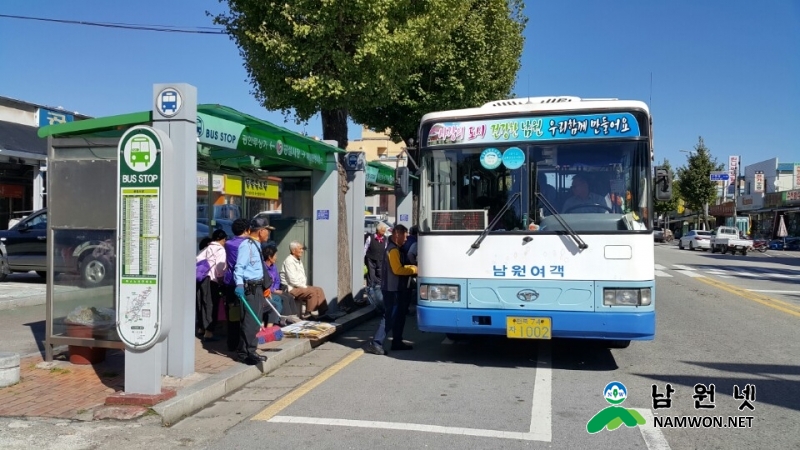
(782, 306)
(682, 267)
(771, 291)
(660, 273)
(653, 437)
(295, 395)
(541, 410)
(692, 274)
(405, 427)
(660, 267)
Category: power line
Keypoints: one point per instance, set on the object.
(126, 26)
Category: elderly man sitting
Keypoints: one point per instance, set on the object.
(293, 275)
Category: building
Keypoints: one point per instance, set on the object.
(23, 155)
(378, 146)
(771, 191)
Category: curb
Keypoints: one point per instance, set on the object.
(353, 319)
(197, 396)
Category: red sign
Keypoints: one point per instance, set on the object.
(12, 191)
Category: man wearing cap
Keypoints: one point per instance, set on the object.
(248, 274)
(584, 201)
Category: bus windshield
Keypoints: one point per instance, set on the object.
(593, 186)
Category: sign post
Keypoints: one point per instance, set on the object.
(355, 164)
(141, 318)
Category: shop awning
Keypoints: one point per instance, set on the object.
(233, 139)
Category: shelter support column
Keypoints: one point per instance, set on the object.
(404, 209)
(356, 200)
(325, 231)
(179, 233)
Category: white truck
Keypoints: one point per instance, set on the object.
(724, 239)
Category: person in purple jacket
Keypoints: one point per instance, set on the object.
(282, 300)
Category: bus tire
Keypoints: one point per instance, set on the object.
(618, 343)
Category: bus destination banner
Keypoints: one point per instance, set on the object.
(542, 128)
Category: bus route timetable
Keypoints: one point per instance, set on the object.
(140, 227)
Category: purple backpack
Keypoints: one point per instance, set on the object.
(201, 270)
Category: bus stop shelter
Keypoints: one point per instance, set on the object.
(82, 207)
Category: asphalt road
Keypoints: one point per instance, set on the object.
(496, 393)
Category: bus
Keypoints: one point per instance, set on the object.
(535, 220)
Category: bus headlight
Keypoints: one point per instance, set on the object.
(627, 297)
(440, 292)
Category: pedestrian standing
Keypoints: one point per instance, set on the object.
(249, 277)
(392, 321)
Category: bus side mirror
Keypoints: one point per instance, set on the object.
(663, 184)
(401, 186)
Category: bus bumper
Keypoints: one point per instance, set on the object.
(639, 326)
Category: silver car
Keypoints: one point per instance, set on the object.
(695, 239)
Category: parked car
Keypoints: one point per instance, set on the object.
(662, 235)
(695, 239)
(89, 253)
(790, 243)
(724, 239)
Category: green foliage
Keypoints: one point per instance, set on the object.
(477, 62)
(671, 205)
(694, 179)
(311, 56)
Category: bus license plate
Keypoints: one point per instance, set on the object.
(528, 327)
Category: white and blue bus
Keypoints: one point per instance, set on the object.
(535, 220)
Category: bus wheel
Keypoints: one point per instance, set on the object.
(618, 344)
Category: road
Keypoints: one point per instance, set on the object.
(495, 393)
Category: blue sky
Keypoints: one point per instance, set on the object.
(727, 71)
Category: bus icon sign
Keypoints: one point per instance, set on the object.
(140, 151)
(169, 102)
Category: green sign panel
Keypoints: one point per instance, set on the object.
(139, 218)
(379, 174)
(224, 133)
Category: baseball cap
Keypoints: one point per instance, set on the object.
(258, 223)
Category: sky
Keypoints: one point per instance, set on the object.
(726, 71)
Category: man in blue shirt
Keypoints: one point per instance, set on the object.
(248, 276)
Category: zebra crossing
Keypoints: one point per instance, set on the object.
(760, 273)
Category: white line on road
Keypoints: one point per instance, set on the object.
(682, 267)
(541, 409)
(661, 273)
(406, 427)
(692, 274)
(541, 415)
(771, 291)
(660, 267)
(653, 437)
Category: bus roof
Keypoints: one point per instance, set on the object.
(538, 104)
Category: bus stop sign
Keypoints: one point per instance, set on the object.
(140, 321)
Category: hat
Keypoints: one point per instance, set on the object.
(258, 223)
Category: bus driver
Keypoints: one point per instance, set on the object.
(584, 201)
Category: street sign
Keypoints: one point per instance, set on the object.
(720, 176)
(139, 226)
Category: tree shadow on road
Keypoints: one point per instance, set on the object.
(760, 273)
(772, 385)
(773, 258)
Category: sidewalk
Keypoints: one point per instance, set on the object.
(62, 390)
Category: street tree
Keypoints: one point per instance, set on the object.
(477, 63)
(305, 57)
(694, 179)
(663, 208)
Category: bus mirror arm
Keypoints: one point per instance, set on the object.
(663, 184)
(477, 244)
(580, 242)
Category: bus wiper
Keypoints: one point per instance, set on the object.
(581, 244)
(477, 244)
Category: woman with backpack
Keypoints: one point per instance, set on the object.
(210, 268)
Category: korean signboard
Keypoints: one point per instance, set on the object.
(541, 128)
(733, 169)
(758, 185)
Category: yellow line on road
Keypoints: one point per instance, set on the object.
(295, 395)
(782, 306)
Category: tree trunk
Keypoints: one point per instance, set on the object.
(334, 127)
